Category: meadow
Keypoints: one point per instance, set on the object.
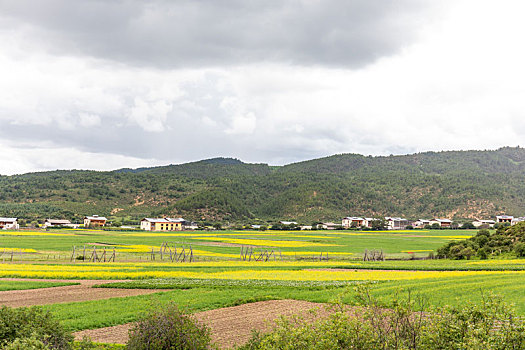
(23, 285)
(214, 245)
(200, 295)
(218, 278)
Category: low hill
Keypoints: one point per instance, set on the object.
(460, 185)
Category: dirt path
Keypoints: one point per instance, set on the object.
(229, 326)
(66, 294)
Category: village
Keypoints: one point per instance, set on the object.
(360, 223)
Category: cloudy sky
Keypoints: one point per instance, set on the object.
(105, 84)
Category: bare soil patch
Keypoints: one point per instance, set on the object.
(66, 294)
(229, 326)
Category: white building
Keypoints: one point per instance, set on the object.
(288, 223)
(421, 223)
(9, 224)
(479, 223)
(330, 226)
(95, 220)
(59, 223)
(396, 223)
(504, 219)
(354, 221)
(162, 224)
(517, 220)
(441, 222)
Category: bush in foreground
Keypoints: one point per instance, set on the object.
(36, 329)
(32, 328)
(168, 328)
(492, 324)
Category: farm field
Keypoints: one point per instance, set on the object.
(206, 245)
(119, 292)
(206, 295)
(229, 326)
(68, 291)
(6, 285)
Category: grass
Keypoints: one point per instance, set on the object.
(115, 311)
(458, 290)
(291, 244)
(22, 285)
(200, 295)
(219, 279)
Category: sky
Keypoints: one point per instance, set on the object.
(108, 84)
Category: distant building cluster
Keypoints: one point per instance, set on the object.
(179, 224)
(398, 223)
(96, 221)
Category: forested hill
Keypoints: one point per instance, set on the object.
(458, 185)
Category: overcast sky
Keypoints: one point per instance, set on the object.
(105, 84)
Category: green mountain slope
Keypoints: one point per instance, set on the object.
(458, 184)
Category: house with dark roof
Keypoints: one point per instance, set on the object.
(353, 221)
(441, 222)
(9, 224)
(395, 223)
(95, 221)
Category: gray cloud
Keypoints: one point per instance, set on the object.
(109, 84)
(174, 34)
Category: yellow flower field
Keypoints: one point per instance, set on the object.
(23, 250)
(141, 271)
(498, 262)
(267, 243)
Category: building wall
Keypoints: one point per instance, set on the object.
(145, 225)
(9, 225)
(166, 226)
(346, 223)
(99, 223)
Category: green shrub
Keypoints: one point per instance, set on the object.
(168, 328)
(32, 328)
(466, 253)
(482, 253)
(491, 324)
(506, 241)
(30, 343)
(519, 249)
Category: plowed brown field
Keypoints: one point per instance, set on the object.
(53, 295)
(229, 326)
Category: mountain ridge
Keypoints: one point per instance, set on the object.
(460, 185)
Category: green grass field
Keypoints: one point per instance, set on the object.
(218, 278)
(22, 285)
(202, 296)
(45, 245)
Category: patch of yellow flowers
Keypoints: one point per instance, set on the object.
(498, 262)
(16, 250)
(267, 242)
(313, 271)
